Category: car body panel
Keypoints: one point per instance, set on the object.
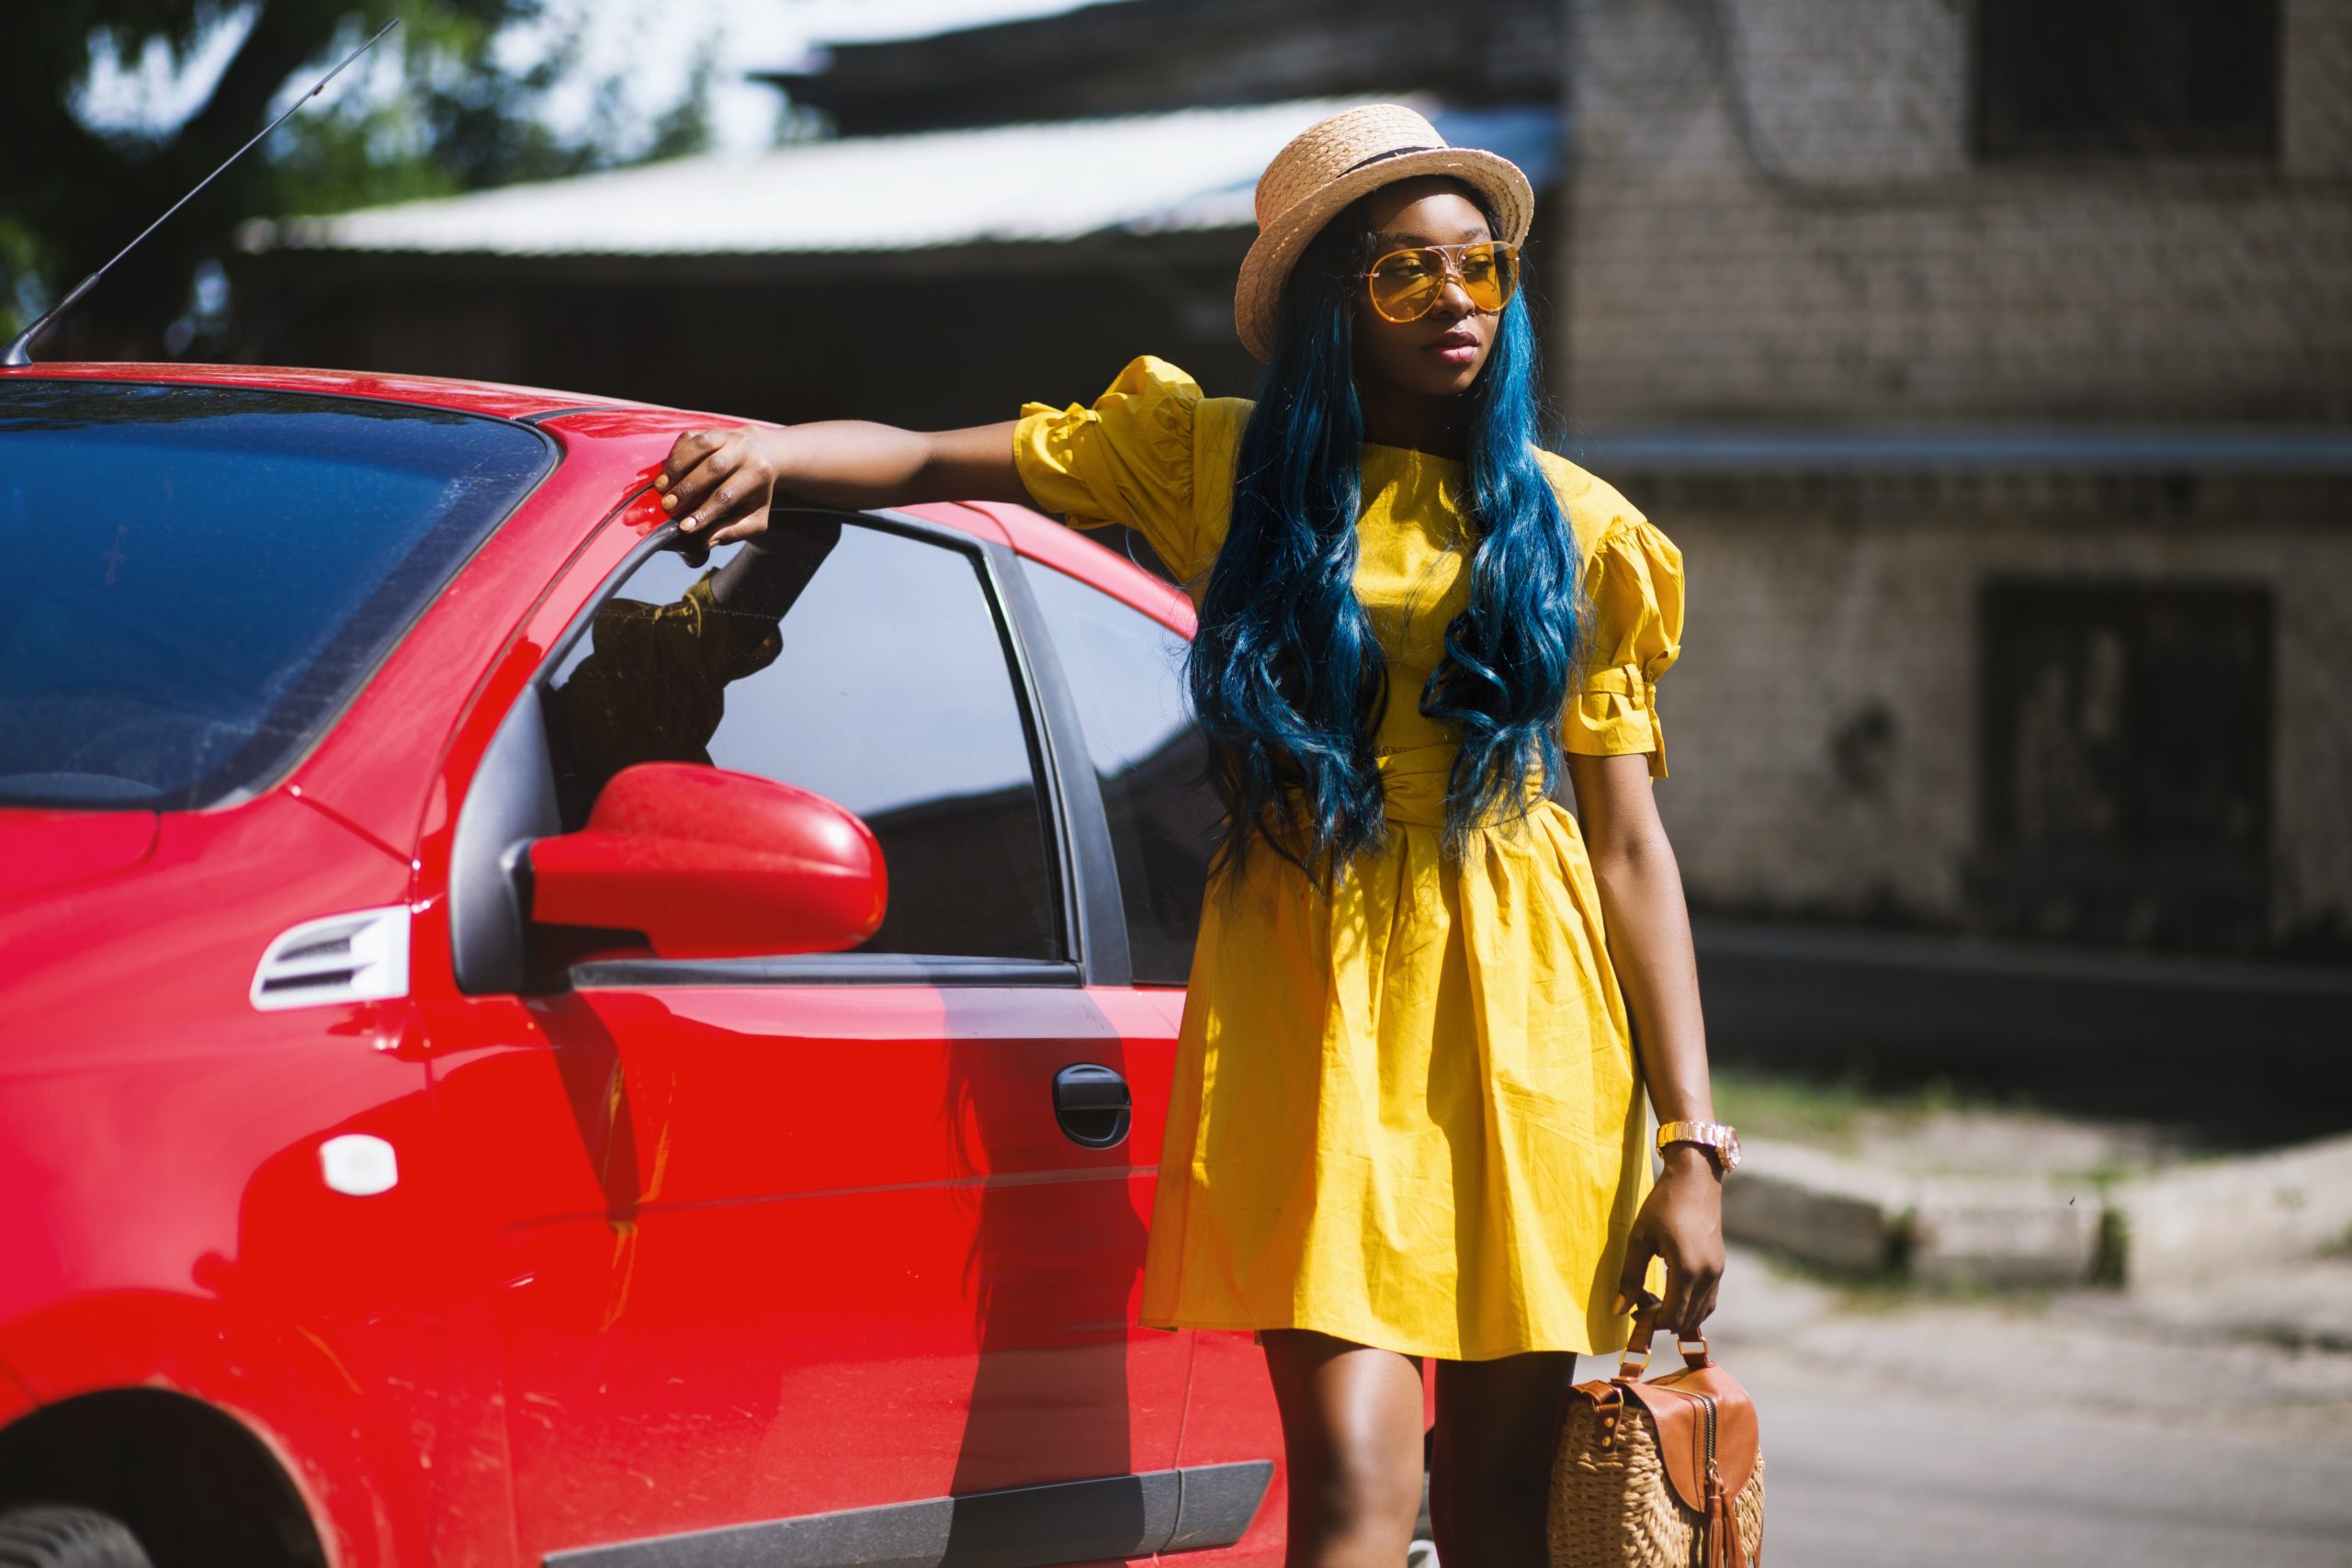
(1058, 546)
(173, 1226)
(16, 1399)
(42, 850)
(1230, 1417)
(715, 1218)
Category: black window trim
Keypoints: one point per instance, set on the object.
(826, 968)
(1084, 876)
(1102, 1519)
(1094, 868)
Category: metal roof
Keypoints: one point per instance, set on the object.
(1187, 169)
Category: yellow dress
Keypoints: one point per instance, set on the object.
(1407, 1116)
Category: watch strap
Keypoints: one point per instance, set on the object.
(1713, 1136)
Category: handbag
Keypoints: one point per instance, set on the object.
(1663, 1473)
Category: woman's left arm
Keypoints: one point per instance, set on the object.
(1649, 945)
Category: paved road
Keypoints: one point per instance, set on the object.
(2067, 1432)
(1863, 1475)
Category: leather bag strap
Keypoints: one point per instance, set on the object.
(1694, 1352)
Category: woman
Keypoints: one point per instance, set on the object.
(1404, 1120)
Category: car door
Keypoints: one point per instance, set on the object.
(805, 1252)
(1125, 673)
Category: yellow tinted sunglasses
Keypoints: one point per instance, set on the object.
(1407, 285)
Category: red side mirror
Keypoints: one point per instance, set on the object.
(710, 863)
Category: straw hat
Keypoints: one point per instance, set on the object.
(1329, 165)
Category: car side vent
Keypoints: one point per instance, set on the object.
(358, 957)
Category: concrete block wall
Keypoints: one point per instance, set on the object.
(1775, 215)
(1821, 723)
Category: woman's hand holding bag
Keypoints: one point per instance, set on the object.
(1682, 1222)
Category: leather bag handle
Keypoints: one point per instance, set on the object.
(1630, 1366)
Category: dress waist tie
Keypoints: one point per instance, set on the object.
(1413, 781)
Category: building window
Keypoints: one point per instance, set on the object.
(2124, 753)
(2127, 77)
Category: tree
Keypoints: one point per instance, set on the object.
(70, 196)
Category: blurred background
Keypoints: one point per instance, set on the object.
(1990, 360)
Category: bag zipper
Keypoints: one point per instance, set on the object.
(1714, 1478)
(1707, 1401)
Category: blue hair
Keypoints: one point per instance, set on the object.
(1288, 682)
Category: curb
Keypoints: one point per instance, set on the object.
(2178, 1226)
(2225, 1216)
(1817, 1206)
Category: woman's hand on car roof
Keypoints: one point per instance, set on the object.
(719, 483)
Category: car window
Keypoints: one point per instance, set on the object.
(1127, 673)
(181, 619)
(867, 666)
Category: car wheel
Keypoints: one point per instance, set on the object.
(53, 1536)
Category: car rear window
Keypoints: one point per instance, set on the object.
(195, 580)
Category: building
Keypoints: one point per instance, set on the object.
(1993, 366)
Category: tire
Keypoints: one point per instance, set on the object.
(51, 1535)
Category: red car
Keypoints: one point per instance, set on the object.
(518, 1045)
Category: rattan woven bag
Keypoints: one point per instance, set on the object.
(1664, 1472)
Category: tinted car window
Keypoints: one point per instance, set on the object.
(201, 577)
(866, 666)
(1128, 674)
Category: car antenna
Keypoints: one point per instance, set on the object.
(20, 352)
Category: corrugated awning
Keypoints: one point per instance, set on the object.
(1185, 170)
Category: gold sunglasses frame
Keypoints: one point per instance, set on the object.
(1452, 258)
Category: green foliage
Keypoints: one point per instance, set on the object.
(1829, 1110)
(462, 121)
(17, 257)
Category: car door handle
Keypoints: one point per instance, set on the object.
(1092, 1105)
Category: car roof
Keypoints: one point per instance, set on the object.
(492, 398)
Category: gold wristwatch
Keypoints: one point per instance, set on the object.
(1719, 1139)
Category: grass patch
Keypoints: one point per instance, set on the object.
(1829, 1110)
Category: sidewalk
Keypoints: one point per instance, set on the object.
(2164, 1351)
(1973, 1201)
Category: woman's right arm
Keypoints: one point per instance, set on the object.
(719, 483)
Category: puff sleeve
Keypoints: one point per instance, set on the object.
(1127, 459)
(1633, 578)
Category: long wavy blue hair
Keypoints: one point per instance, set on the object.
(1288, 682)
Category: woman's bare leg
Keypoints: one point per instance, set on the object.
(1490, 1472)
(1352, 1439)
